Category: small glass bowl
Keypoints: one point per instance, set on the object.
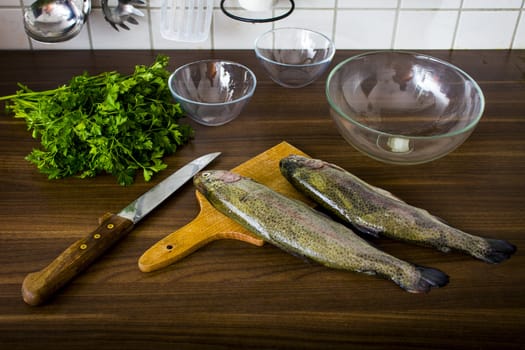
(294, 57)
(402, 107)
(212, 92)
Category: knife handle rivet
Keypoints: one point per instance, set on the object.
(83, 246)
(96, 236)
(110, 226)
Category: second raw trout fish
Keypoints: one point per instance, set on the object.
(375, 211)
(300, 230)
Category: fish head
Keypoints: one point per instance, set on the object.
(294, 162)
(209, 180)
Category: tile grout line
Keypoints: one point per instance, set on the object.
(90, 35)
(150, 28)
(456, 28)
(334, 22)
(395, 26)
(518, 21)
(211, 32)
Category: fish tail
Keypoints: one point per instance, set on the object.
(428, 278)
(497, 250)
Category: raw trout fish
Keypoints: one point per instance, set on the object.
(300, 230)
(377, 212)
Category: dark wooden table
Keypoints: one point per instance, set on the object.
(233, 295)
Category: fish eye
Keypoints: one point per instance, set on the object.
(206, 174)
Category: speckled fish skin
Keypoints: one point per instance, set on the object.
(300, 230)
(375, 211)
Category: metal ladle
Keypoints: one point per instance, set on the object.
(53, 21)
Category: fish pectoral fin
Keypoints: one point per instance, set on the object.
(305, 259)
(367, 272)
(296, 254)
(443, 249)
(370, 231)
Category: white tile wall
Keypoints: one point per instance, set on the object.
(352, 24)
(435, 28)
(364, 29)
(486, 29)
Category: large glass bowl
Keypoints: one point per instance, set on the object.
(294, 57)
(212, 92)
(403, 107)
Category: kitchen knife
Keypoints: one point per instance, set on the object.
(41, 285)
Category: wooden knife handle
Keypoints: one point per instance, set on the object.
(41, 285)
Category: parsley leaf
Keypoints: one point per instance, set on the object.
(112, 123)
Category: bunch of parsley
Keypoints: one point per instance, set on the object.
(104, 123)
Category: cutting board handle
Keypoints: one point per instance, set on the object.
(208, 226)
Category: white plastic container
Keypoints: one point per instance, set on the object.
(186, 20)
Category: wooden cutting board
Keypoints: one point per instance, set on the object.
(211, 225)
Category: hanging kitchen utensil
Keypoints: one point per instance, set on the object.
(122, 13)
(186, 20)
(257, 5)
(52, 21)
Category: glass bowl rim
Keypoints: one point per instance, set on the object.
(327, 59)
(461, 72)
(247, 95)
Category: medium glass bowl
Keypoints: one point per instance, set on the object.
(402, 107)
(212, 92)
(294, 57)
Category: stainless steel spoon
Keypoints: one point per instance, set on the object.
(55, 20)
(123, 13)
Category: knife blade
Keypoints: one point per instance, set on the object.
(39, 286)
